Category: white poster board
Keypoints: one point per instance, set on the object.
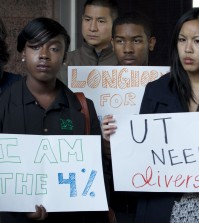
(156, 152)
(113, 89)
(63, 173)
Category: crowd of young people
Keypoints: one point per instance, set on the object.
(34, 104)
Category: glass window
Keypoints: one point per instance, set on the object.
(195, 3)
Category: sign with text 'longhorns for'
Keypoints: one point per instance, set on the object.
(113, 89)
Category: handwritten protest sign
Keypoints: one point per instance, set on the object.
(63, 173)
(113, 89)
(156, 152)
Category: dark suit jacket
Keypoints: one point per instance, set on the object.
(158, 98)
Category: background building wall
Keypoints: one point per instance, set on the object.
(15, 14)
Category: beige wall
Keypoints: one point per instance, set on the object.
(15, 14)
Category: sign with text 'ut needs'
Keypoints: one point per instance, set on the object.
(156, 152)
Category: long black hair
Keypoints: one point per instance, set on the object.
(179, 77)
(41, 30)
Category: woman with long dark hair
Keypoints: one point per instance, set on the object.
(177, 91)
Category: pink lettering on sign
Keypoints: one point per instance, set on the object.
(155, 179)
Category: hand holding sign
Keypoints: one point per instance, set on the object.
(40, 213)
(108, 126)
